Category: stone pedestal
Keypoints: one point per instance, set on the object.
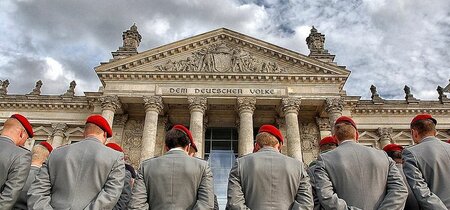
(110, 104)
(153, 107)
(197, 107)
(334, 107)
(290, 108)
(58, 134)
(246, 107)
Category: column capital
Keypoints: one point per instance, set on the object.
(334, 105)
(110, 102)
(153, 103)
(246, 104)
(197, 103)
(59, 129)
(289, 105)
(323, 123)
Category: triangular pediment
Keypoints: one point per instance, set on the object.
(222, 51)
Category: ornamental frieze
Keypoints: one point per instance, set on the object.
(223, 59)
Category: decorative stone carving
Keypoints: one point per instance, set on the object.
(334, 105)
(409, 96)
(59, 129)
(309, 134)
(385, 136)
(71, 91)
(120, 119)
(4, 87)
(37, 88)
(447, 88)
(281, 122)
(442, 97)
(132, 142)
(221, 58)
(110, 102)
(246, 104)
(154, 103)
(323, 123)
(131, 40)
(290, 105)
(376, 99)
(316, 46)
(197, 103)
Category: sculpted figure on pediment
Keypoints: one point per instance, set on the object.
(221, 58)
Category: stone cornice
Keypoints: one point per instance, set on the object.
(212, 37)
(189, 76)
(43, 102)
(397, 107)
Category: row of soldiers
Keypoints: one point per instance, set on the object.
(347, 175)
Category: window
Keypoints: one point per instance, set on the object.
(224, 139)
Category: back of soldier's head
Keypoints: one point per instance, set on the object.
(344, 131)
(92, 129)
(176, 138)
(266, 139)
(424, 127)
(39, 154)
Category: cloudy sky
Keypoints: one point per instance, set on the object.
(388, 43)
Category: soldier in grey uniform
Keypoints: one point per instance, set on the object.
(268, 179)
(84, 175)
(14, 160)
(39, 155)
(174, 180)
(354, 176)
(124, 199)
(325, 145)
(394, 151)
(427, 164)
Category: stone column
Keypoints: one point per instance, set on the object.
(385, 136)
(246, 107)
(334, 107)
(197, 107)
(110, 104)
(153, 107)
(58, 134)
(324, 126)
(290, 108)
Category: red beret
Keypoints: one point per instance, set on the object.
(328, 140)
(392, 147)
(100, 122)
(47, 146)
(423, 117)
(272, 130)
(24, 121)
(188, 133)
(114, 146)
(448, 141)
(346, 119)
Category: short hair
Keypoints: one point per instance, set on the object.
(266, 139)
(91, 128)
(176, 138)
(395, 154)
(344, 131)
(423, 126)
(39, 153)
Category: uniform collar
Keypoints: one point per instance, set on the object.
(267, 148)
(176, 151)
(347, 141)
(428, 138)
(7, 139)
(90, 138)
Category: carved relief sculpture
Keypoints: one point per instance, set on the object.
(221, 58)
(132, 142)
(310, 138)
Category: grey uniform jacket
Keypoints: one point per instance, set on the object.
(22, 201)
(354, 176)
(84, 175)
(313, 186)
(14, 167)
(125, 197)
(173, 181)
(268, 179)
(411, 202)
(427, 169)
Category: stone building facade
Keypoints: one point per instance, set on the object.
(223, 85)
